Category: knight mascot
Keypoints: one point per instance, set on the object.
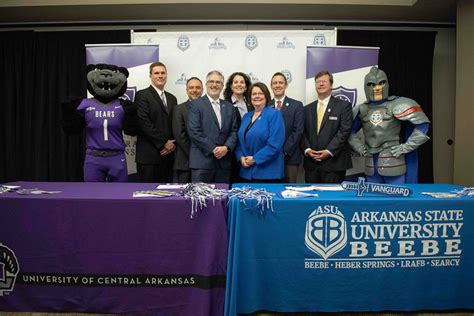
(388, 159)
(104, 117)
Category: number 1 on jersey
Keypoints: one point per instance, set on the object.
(106, 134)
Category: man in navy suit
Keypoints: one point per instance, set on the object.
(327, 127)
(292, 113)
(212, 127)
(155, 142)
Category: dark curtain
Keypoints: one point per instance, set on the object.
(39, 70)
(407, 59)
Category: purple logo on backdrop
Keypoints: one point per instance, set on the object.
(9, 269)
(288, 75)
(346, 94)
(129, 94)
(183, 42)
(251, 42)
(319, 39)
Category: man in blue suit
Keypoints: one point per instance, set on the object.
(292, 113)
(212, 126)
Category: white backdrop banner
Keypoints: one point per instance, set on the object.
(348, 65)
(136, 58)
(257, 53)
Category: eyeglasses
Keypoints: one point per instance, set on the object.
(321, 81)
(214, 82)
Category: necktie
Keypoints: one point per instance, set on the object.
(163, 98)
(320, 114)
(278, 105)
(217, 110)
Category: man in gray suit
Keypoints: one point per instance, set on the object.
(292, 113)
(212, 127)
(182, 173)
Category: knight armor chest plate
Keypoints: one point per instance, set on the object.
(381, 128)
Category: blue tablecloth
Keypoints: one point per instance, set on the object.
(95, 248)
(338, 252)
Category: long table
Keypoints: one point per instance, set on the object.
(339, 253)
(94, 248)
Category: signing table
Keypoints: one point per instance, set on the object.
(338, 252)
(95, 248)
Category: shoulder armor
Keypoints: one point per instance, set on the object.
(406, 109)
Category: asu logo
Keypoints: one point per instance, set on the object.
(326, 231)
(9, 269)
(183, 42)
(320, 40)
(251, 42)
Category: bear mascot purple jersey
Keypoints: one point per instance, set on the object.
(105, 117)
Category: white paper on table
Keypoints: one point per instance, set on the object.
(291, 194)
(336, 187)
(177, 186)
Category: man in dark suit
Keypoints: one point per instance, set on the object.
(182, 173)
(212, 127)
(155, 142)
(292, 113)
(327, 126)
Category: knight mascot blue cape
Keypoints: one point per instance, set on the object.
(388, 157)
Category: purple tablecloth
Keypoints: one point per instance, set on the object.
(95, 248)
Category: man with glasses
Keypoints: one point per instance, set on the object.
(212, 126)
(327, 126)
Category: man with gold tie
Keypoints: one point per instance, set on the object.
(327, 127)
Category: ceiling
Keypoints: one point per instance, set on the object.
(42, 13)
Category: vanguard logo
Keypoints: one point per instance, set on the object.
(9, 269)
(326, 231)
